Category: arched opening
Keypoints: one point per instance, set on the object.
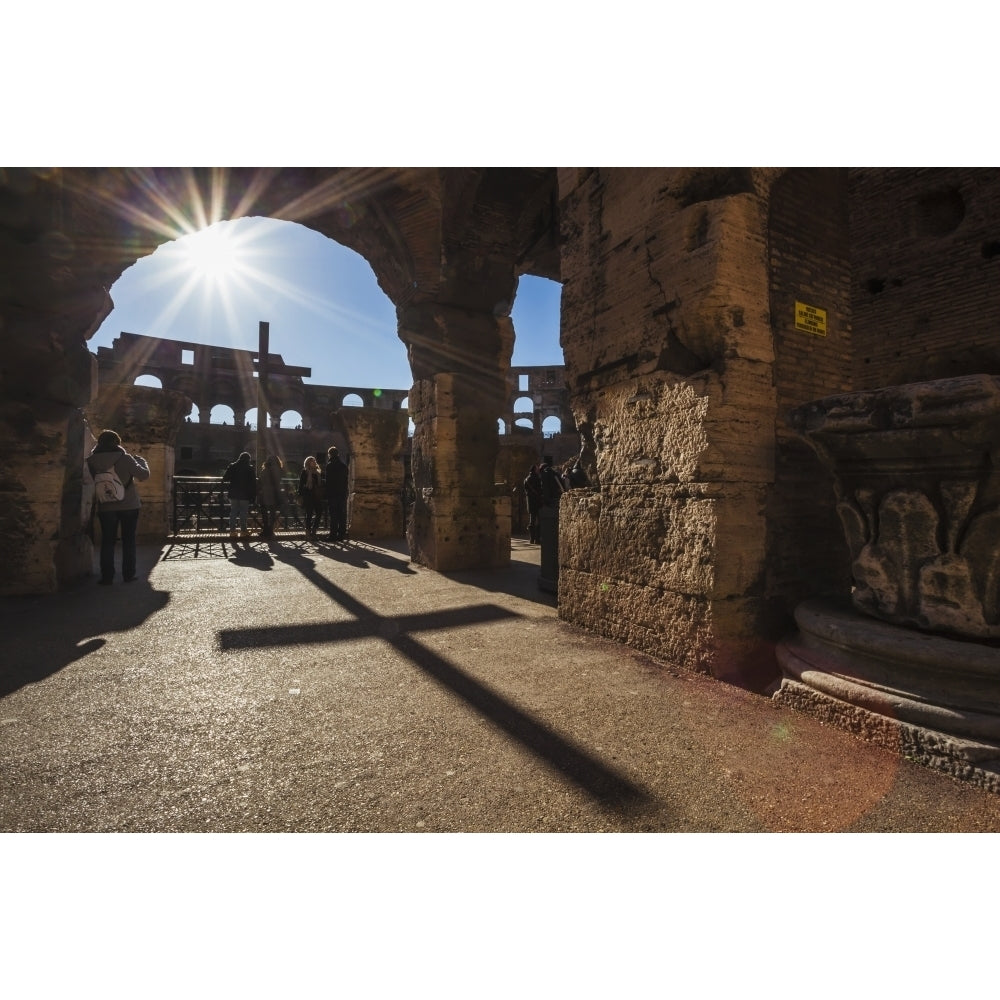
(322, 303)
(329, 325)
(352, 399)
(110, 216)
(149, 380)
(501, 426)
(404, 404)
(524, 404)
(222, 414)
(550, 426)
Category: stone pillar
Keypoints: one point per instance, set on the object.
(50, 301)
(376, 443)
(669, 353)
(461, 520)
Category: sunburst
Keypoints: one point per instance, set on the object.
(213, 254)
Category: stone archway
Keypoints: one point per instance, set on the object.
(446, 246)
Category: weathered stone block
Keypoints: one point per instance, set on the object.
(377, 441)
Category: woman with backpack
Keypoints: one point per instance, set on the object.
(115, 473)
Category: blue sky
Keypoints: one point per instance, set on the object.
(320, 299)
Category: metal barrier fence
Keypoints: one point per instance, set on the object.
(201, 506)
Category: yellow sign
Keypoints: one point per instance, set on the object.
(809, 319)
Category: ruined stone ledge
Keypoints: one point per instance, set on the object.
(699, 538)
(976, 763)
(668, 626)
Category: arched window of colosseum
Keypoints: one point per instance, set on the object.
(251, 418)
(353, 399)
(195, 415)
(149, 380)
(213, 287)
(291, 419)
(222, 414)
(523, 405)
(551, 425)
(525, 423)
(501, 426)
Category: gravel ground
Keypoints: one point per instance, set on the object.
(300, 687)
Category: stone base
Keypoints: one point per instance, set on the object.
(938, 751)
(931, 699)
(448, 537)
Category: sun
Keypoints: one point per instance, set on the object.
(213, 254)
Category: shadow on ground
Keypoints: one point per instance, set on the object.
(400, 631)
(45, 634)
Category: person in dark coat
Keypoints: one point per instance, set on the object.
(533, 498)
(336, 494)
(321, 514)
(552, 484)
(311, 494)
(270, 494)
(108, 453)
(242, 480)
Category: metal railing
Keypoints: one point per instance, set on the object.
(201, 506)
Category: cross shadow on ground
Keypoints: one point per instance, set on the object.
(400, 631)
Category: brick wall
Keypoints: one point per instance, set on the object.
(926, 273)
(809, 264)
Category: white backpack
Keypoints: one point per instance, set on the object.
(108, 488)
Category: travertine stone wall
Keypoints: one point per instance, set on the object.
(666, 334)
(50, 300)
(34, 476)
(377, 442)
